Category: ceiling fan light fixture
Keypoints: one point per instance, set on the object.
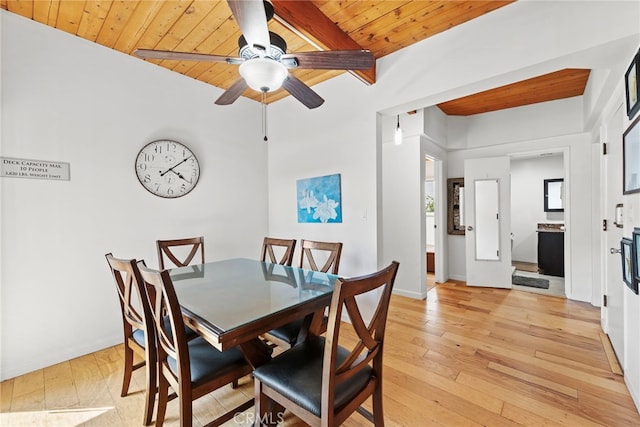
(263, 74)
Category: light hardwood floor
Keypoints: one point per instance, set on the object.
(465, 357)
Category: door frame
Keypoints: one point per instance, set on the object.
(605, 209)
(431, 150)
(566, 165)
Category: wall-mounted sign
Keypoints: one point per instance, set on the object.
(36, 169)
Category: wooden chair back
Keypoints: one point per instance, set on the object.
(171, 337)
(136, 318)
(367, 350)
(272, 245)
(180, 251)
(310, 253)
(328, 252)
(323, 382)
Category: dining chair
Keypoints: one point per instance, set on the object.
(192, 368)
(272, 245)
(139, 333)
(311, 251)
(180, 251)
(329, 251)
(322, 382)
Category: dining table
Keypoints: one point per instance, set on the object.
(232, 302)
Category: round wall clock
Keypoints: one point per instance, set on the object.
(167, 168)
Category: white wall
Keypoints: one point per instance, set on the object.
(335, 138)
(402, 185)
(631, 219)
(69, 100)
(527, 202)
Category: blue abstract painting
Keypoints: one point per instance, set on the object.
(319, 199)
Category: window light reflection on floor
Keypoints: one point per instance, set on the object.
(52, 417)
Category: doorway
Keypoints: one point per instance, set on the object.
(434, 218)
(430, 219)
(537, 231)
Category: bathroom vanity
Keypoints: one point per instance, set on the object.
(551, 249)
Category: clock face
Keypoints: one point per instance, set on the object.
(167, 168)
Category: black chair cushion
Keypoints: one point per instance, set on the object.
(289, 332)
(207, 362)
(138, 334)
(297, 375)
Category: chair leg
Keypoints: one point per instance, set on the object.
(268, 412)
(151, 389)
(261, 403)
(163, 397)
(378, 414)
(128, 369)
(185, 402)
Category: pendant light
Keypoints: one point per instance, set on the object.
(397, 136)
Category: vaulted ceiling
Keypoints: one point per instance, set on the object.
(208, 26)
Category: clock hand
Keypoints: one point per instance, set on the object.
(181, 176)
(174, 166)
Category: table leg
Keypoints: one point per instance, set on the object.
(313, 325)
(256, 352)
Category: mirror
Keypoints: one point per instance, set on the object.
(455, 208)
(554, 195)
(487, 220)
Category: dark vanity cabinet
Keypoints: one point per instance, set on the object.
(551, 252)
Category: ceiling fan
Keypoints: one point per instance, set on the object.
(263, 61)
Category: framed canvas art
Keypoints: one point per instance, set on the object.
(635, 251)
(319, 199)
(626, 250)
(631, 158)
(632, 91)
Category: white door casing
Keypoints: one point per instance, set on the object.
(612, 269)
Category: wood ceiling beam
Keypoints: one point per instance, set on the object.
(310, 23)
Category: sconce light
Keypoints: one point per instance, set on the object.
(397, 136)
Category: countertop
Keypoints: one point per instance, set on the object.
(550, 228)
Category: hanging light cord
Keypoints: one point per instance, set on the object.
(264, 115)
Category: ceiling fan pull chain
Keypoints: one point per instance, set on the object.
(264, 116)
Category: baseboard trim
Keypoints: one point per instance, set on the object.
(414, 295)
(47, 359)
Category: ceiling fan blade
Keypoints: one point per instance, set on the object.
(252, 19)
(185, 56)
(331, 60)
(230, 95)
(302, 92)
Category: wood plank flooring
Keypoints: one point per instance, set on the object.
(525, 266)
(465, 357)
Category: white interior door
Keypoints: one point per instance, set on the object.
(487, 216)
(612, 192)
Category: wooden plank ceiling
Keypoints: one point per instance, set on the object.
(207, 26)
